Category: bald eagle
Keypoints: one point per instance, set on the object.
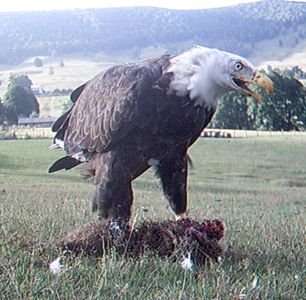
(131, 117)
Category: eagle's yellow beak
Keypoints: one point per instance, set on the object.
(259, 79)
(264, 82)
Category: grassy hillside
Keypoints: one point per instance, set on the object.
(237, 29)
(76, 71)
(79, 69)
(86, 41)
(256, 186)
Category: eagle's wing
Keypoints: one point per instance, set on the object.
(77, 92)
(113, 104)
(63, 118)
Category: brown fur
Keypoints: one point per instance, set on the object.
(165, 239)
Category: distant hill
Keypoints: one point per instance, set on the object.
(237, 29)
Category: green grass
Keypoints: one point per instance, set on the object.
(256, 186)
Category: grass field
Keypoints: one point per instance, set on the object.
(257, 186)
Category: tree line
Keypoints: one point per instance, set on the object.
(235, 29)
(18, 101)
(284, 110)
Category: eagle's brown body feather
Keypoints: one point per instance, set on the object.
(123, 118)
(134, 116)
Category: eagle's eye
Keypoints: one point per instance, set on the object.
(238, 66)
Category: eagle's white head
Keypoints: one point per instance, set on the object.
(206, 74)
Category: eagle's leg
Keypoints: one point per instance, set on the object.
(173, 174)
(113, 200)
(113, 197)
(94, 202)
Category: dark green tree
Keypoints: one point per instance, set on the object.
(2, 112)
(285, 108)
(232, 112)
(11, 114)
(19, 98)
(22, 80)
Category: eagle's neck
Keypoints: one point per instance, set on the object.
(195, 76)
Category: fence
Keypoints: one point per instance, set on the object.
(38, 133)
(249, 133)
(28, 132)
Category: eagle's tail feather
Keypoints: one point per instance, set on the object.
(66, 162)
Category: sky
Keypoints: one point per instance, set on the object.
(28, 5)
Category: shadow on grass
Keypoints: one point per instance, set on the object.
(262, 261)
(39, 177)
(6, 163)
(222, 190)
(296, 183)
